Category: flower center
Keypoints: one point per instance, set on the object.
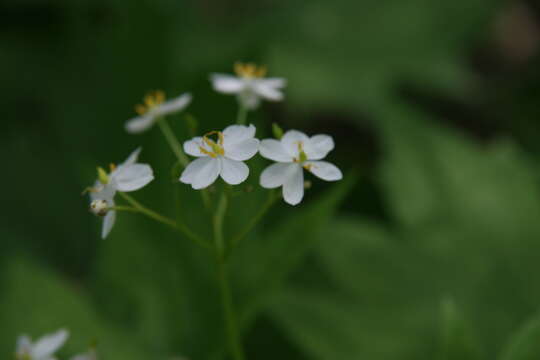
(216, 149)
(150, 101)
(249, 70)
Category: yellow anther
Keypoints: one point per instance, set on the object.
(301, 153)
(249, 70)
(217, 148)
(151, 100)
(140, 109)
(112, 167)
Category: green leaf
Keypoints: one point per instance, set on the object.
(458, 343)
(524, 344)
(279, 251)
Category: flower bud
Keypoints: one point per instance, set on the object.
(99, 207)
(277, 131)
(102, 176)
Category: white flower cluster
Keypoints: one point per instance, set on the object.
(45, 347)
(222, 153)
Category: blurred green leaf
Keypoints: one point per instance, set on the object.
(458, 342)
(524, 344)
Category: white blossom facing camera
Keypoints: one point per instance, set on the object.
(155, 106)
(293, 153)
(43, 349)
(223, 157)
(249, 85)
(126, 177)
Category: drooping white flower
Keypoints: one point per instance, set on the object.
(155, 106)
(249, 85)
(126, 177)
(293, 153)
(224, 157)
(43, 349)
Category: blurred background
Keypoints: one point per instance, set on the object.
(428, 249)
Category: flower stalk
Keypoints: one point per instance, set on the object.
(137, 206)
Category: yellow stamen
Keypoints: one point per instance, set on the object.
(302, 157)
(151, 100)
(217, 148)
(112, 167)
(249, 70)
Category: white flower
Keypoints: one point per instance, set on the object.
(223, 158)
(43, 349)
(128, 176)
(249, 85)
(293, 153)
(154, 107)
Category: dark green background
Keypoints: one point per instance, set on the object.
(428, 249)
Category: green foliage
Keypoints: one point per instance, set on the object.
(525, 343)
(446, 267)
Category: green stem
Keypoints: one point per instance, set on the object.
(218, 224)
(242, 115)
(254, 220)
(173, 141)
(229, 316)
(235, 346)
(165, 220)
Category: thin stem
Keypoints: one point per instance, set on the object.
(229, 316)
(235, 346)
(254, 220)
(242, 115)
(165, 220)
(218, 224)
(173, 141)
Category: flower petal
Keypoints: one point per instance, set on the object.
(132, 158)
(243, 150)
(233, 172)
(108, 223)
(237, 133)
(201, 172)
(24, 345)
(132, 177)
(249, 99)
(293, 188)
(193, 147)
(106, 192)
(139, 124)
(319, 146)
(49, 344)
(174, 105)
(324, 170)
(291, 141)
(227, 84)
(267, 90)
(277, 174)
(274, 150)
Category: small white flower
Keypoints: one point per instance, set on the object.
(249, 85)
(155, 106)
(43, 349)
(223, 158)
(128, 176)
(293, 153)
